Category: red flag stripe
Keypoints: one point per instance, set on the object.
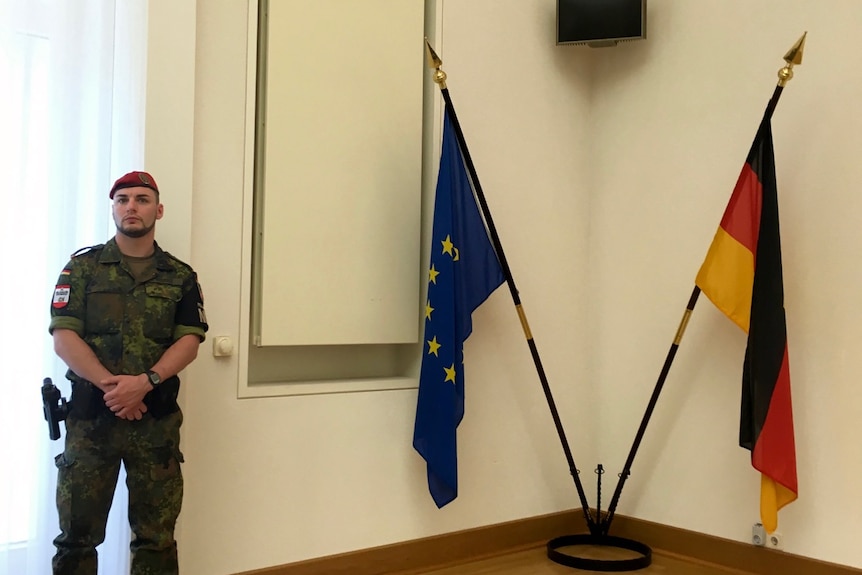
(742, 216)
(774, 452)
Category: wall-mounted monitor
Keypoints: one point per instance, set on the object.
(600, 23)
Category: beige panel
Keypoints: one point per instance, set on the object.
(342, 178)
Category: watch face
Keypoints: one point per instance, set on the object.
(154, 378)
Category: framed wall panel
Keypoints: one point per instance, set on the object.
(338, 172)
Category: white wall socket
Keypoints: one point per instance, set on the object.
(775, 541)
(758, 535)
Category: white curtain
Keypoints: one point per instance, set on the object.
(72, 78)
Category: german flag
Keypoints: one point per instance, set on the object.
(742, 276)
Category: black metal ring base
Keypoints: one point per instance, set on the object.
(599, 564)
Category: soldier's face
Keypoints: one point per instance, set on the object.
(136, 210)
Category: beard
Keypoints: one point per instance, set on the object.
(134, 232)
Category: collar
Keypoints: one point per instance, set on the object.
(111, 254)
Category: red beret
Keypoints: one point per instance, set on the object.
(134, 180)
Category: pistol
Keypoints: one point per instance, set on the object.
(54, 407)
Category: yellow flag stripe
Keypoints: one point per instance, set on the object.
(727, 276)
(773, 496)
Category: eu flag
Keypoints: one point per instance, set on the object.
(464, 271)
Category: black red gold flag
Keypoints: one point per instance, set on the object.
(742, 276)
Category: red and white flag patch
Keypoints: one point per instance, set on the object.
(61, 296)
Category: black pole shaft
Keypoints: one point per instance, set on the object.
(498, 248)
(648, 413)
(773, 102)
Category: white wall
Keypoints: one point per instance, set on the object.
(606, 172)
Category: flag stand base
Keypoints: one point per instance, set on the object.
(641, 561)
(630, 555)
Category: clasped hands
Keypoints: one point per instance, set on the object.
(124, 395)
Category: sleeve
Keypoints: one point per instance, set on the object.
(69, 302)
(190, 316)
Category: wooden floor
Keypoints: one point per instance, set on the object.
(536, 562)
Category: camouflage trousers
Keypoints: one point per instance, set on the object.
(86, 479)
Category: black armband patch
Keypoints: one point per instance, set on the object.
(190, 309)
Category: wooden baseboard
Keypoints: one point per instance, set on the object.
(725, 552)
(439, 551)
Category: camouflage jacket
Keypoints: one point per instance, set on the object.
(128, 323)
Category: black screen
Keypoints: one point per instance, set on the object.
(593, 20)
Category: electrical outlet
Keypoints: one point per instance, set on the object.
(758, 535)
(775, 541)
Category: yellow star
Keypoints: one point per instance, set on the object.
(428, 309)
(448, 245)
(432, 274)
(433, 346)
(450, 373)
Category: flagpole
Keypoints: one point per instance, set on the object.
(435, 62)
(792, 57)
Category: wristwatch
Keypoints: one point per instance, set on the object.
(154, 378)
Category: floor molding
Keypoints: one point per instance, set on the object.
(725, 552)
(418, 555)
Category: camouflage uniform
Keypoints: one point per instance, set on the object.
(128, 323)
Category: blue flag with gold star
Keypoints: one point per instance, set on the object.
(464, 271)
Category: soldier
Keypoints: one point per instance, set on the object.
(126, 317)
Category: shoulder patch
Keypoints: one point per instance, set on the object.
(61, 296)
(87, 249)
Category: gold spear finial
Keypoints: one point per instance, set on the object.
(793, 58)
(435, 62)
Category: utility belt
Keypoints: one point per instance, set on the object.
(88, 401)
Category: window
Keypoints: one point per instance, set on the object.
(72, 72)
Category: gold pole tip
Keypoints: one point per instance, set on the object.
(794, 55)
(793, 58)
(434, 60)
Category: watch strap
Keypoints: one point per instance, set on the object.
(154, 378)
